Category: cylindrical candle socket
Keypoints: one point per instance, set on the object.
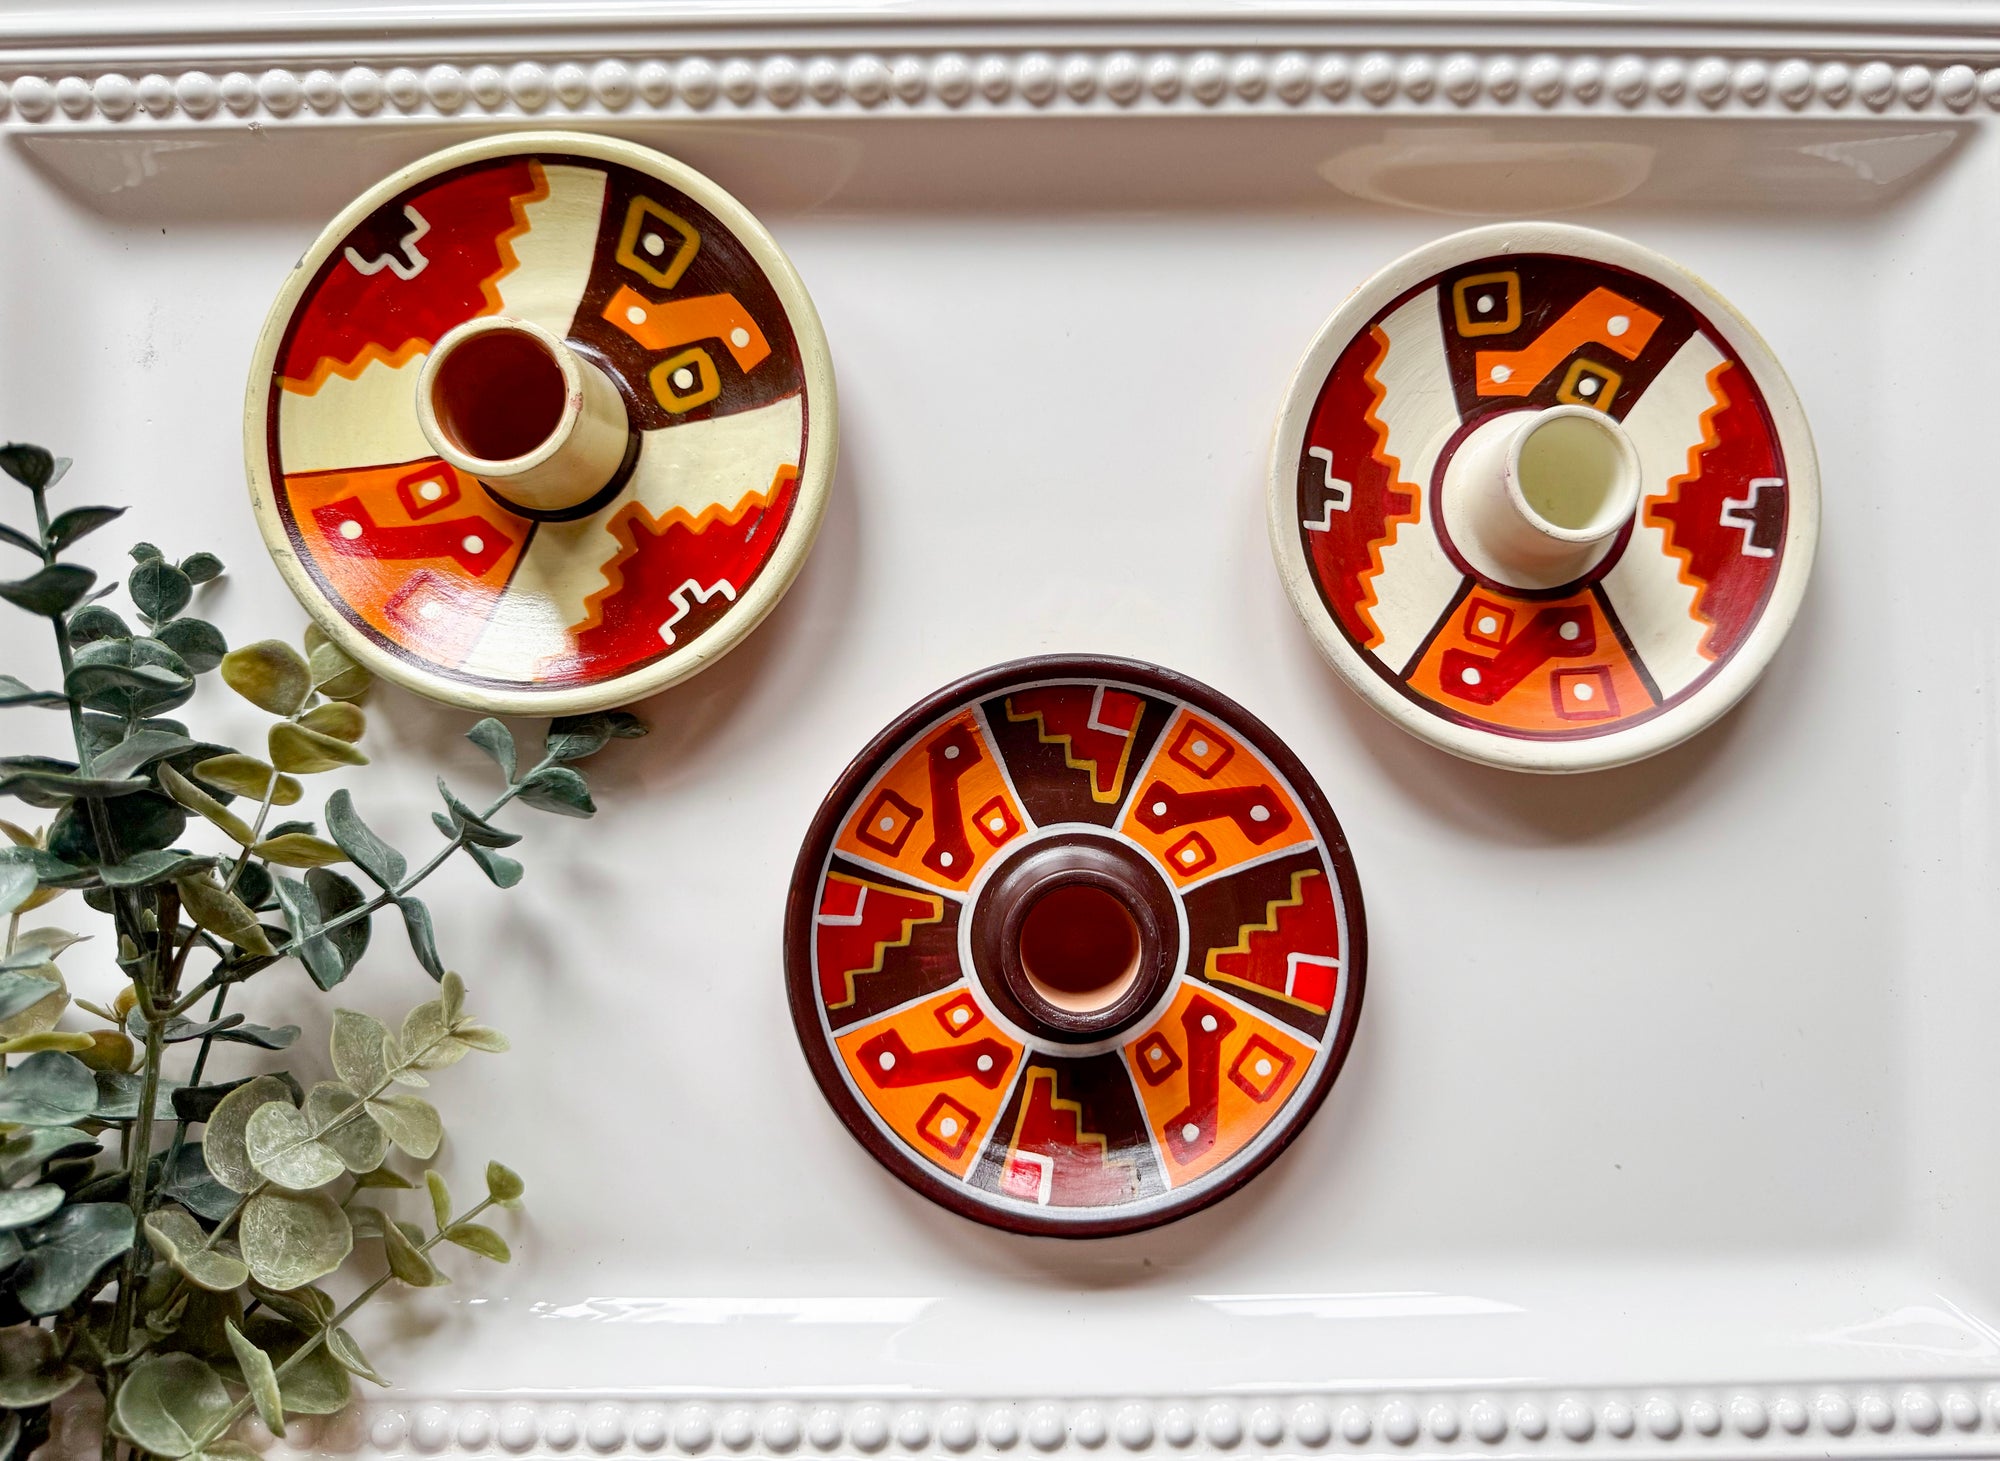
(509, 403)
(1535, 497)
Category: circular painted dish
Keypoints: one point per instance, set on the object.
(1543, 498)
(542, 423)
(1075, 946)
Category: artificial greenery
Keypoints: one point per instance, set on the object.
(162, 1235)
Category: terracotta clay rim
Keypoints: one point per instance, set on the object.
(1729, 683)
(776, 575)
(802, 900)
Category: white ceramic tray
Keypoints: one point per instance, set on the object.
(1670, 1124)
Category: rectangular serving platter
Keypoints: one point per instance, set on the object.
(1670, 1124)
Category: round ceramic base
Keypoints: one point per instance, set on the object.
(1075, 946)
(1644, 640)
(652, 275)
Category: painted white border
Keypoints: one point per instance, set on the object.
(822, 446)
(1725, 686)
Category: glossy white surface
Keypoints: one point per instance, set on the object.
(1674, 1088)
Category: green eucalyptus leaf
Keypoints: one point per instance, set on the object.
(312, 1383)
(168, 1402)
(296, 849)
(65, 1253)
(22, 1206)
(493, 737)
(307, 1309)
(480, 1239)
(49, 1089)
(142, 822)
(129, 677)
(95, 621)
(573, 737)
(21, 990)
(440, 1197)
(501, 869)
(411, 1122)
(201, 567)
(384, 1177)
(31, 466)
(179, 1241)
(43, 781)
(475, 828)
(223, 914)
(32, 1369)
(270, 674)
(304, 752)
(14, 693)
(78, 521)
(153, 867)
(188, 1181)
(291, 1238)
(359, 1141)
(225, 1141)
(17, 885)
(138, 751)
(504, 1184)
(260, 1378)
(426, 1039)
(198, 1103)
(559, 789)
(423, 941)
(49, 591)
(406, 1262)
(347, 1354)
(27, 1149)
(338, 719)
(367, 851)
(119, 1091)
(143, 552)
(254, 887)
(284, 1150)
(359, 1057)
(14, 537)
(159, 589)
(246, 776)
(335, 675)
(199, 643)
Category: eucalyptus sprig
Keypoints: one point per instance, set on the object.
(175, 1270)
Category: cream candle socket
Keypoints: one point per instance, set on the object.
(507, 402)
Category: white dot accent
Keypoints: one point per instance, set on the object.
(1587, 386)
(473, 543)
(1260, 813)
(948, 1126)
(887, 1060)
(1263, 1067)
(636, 315)
(1190, 1132)
(1208, 1023)
(1570, 630)
(951, 753)
(653, 244)
(429, 609)
(431, 491)
(985, 1061)
(944, 859)
(1471, 675)
(683, 378)
(350, 529)
(739, 337)
(1499, 373)
(1585, 692)
(1488, 624)
(998, 824)
(1485, 303)
(1188, 856)
(1200, 748)
(960, 1016)
(887, 824)
(1159, 809)
(1617, 325)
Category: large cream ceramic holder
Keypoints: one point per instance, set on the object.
(540, 424)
